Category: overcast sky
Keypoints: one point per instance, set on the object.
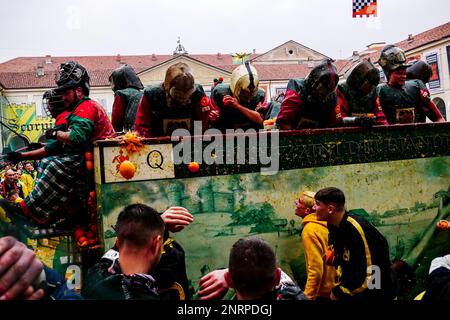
(109, 27)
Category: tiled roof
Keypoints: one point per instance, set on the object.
(281, 71)
(29, 80)
(421, 39)
(20, 73)
(29, 64)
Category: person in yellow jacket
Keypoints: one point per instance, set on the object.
(27, 182)
(321, 278)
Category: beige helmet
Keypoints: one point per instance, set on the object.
(179, 84)
(244, 82)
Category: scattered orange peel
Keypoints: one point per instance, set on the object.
(131, 142)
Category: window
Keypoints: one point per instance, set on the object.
(440, 104)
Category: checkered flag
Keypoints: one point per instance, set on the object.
(364, 8)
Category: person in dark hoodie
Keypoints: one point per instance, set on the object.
(356, 248)
(241, 103)
(127, 93)
(161, 277)
(357, 97)
(438, 284)
(140, 232)
(253, 273)
(176, 103)
(403, 101)
(312, 102)
(419, 70)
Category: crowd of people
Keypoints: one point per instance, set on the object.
(146, 263)
(16, 182)
(347, 258)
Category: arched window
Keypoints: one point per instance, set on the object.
(440, 104)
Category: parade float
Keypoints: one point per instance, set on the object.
(397, 177)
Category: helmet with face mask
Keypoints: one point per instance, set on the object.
(391, 59)
(244, 82)
(321, 82)
(179, 84)
(419, 70)
(72, 75)
(125, 77)
(363, 78)
(52, 103)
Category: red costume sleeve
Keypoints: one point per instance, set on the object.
(429, 108)
(143, 118)
(118, 113)
(289, 110)
(61, 118)
(341, 109)
(379, 113)
(262, 109)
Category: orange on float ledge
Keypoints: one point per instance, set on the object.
(193, 167)
(127, 169)
(88, 156)
(443, 225)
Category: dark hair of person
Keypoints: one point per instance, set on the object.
(137, 224)
(12, 192)
(252, 266)
(331, 195)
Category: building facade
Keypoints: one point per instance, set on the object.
(23, 80)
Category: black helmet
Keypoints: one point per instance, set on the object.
(419, 70)
(52, 103)
(391, 59)
(72, 75)
(322, 81)
(125, 77)
(363, 73)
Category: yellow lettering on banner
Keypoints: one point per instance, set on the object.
(22, 118)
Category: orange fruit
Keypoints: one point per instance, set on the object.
(443, 225)
(204, 102)
(78, 233)
(88, 156)
(193, 167)
(89, 165)
(84, 243)
(82, 239)
(90, 235)
(127, 169)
